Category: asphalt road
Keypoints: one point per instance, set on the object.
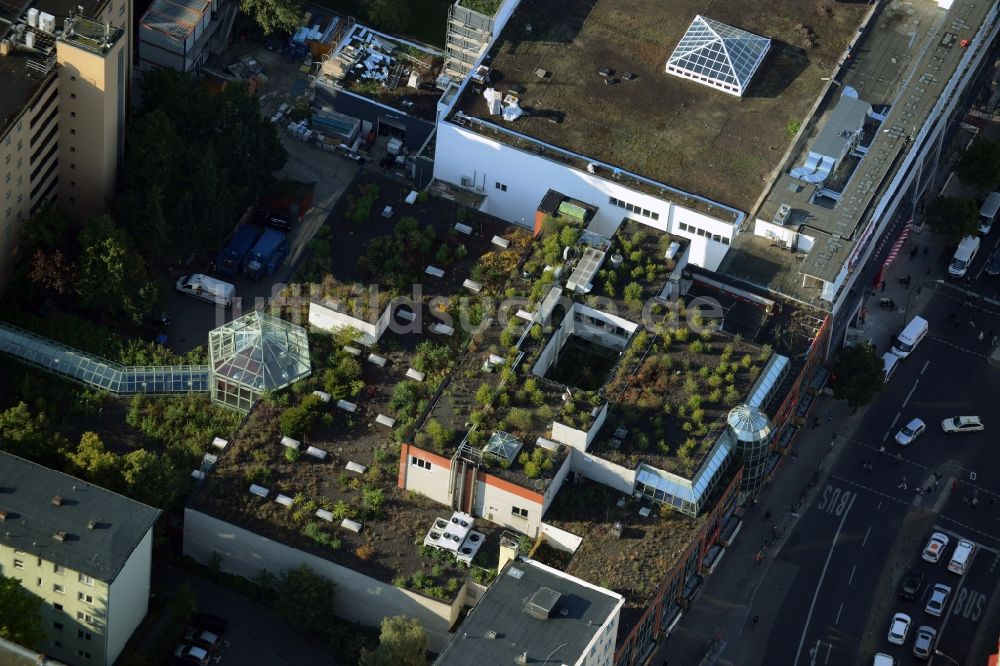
(840, 547)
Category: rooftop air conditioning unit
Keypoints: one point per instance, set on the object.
(782, 215)
(466, 181)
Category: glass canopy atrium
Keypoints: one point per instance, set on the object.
(718, 55)
(254, 354)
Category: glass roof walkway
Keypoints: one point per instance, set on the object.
(97, 372)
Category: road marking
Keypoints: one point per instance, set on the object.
(970, 528)
(851, 579)
(837, 620)
(924, 369)
(865, 541)
(908, 396)
(886, 435)
(958, 347)
(826, 565)
(896, 419)
(869, 489)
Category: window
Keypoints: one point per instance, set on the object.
(58, 626)
(39, 583)
(85, 598)
(18, 564)
(72, 149)
(57, 644)
(613, 201)
(72, 131)
(519, 513)
(81, 653)
(500, 186)
(72, 95)
(420, 462)
(72, 78)
(58, 607)
(85, 617)
(58, 589)
(85, 635)
(654, 215)
(72, 114)
(59, 569)
(621, 204)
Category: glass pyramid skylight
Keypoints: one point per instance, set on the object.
(254, 354)
(718, 55)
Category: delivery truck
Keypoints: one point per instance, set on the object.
(267, 254)
(230, 259)
(207, 289)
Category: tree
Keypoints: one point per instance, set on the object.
(31, 436)
(858, 374)
(305, 599)
(112, 275)
(20, 614)
(979, 165)
(281, 16)
(953, 218)
(151, 478)
(53, 271)
(403, 642)
(390, 15)
(94, 462)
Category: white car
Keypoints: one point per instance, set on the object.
(190, 654)
(962, 424)
(910, 432)
(899, 628)
(940, 594)
(935, 547)
(923, 644)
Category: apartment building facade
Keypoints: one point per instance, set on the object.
(85, 551)
(62, 115)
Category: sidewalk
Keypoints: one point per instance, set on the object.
(739, 589)
(720, 621)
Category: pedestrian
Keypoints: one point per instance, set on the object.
(927, 271)
(972, 322)
(881, 449)
(882, 285)
(892, 304)
(954, 485)
(913, 252)
(995, 341)
(899, 458)
(756, 619)
(993, 502)
(925, 250)
(981, 336)
(829, 416)
(936, 485)
(815, 422)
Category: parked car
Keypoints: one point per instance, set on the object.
(962, 424)
(993, 265)
(213, 623)
(923, 644)
(910, 432)
(899, 628)
(935, 547)
(191, 654)
(202, 638)
(940, 594)
(912, 583)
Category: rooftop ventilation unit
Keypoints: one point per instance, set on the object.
(781, 217)
(3, 515)
(492, 635)
(542, 603)
(92, 524)
(57, 500)
(59, 536)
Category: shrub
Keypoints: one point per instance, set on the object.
(364, 552)
(691, 386)
(746, 361)
(682, 334)
(291, 455)
(519, 419)
(715, 395)
(439, 435)
(372, 500)
(315, 532)
(698, 415)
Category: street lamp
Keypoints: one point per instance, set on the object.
(938, 653)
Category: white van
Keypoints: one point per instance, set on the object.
(988, 213)
(964, 255)
(889, 362)
(961, 557)
(883, 659)
(207, 289)
(911, 336)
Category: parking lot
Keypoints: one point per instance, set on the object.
(965, 606)
(332, 174)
